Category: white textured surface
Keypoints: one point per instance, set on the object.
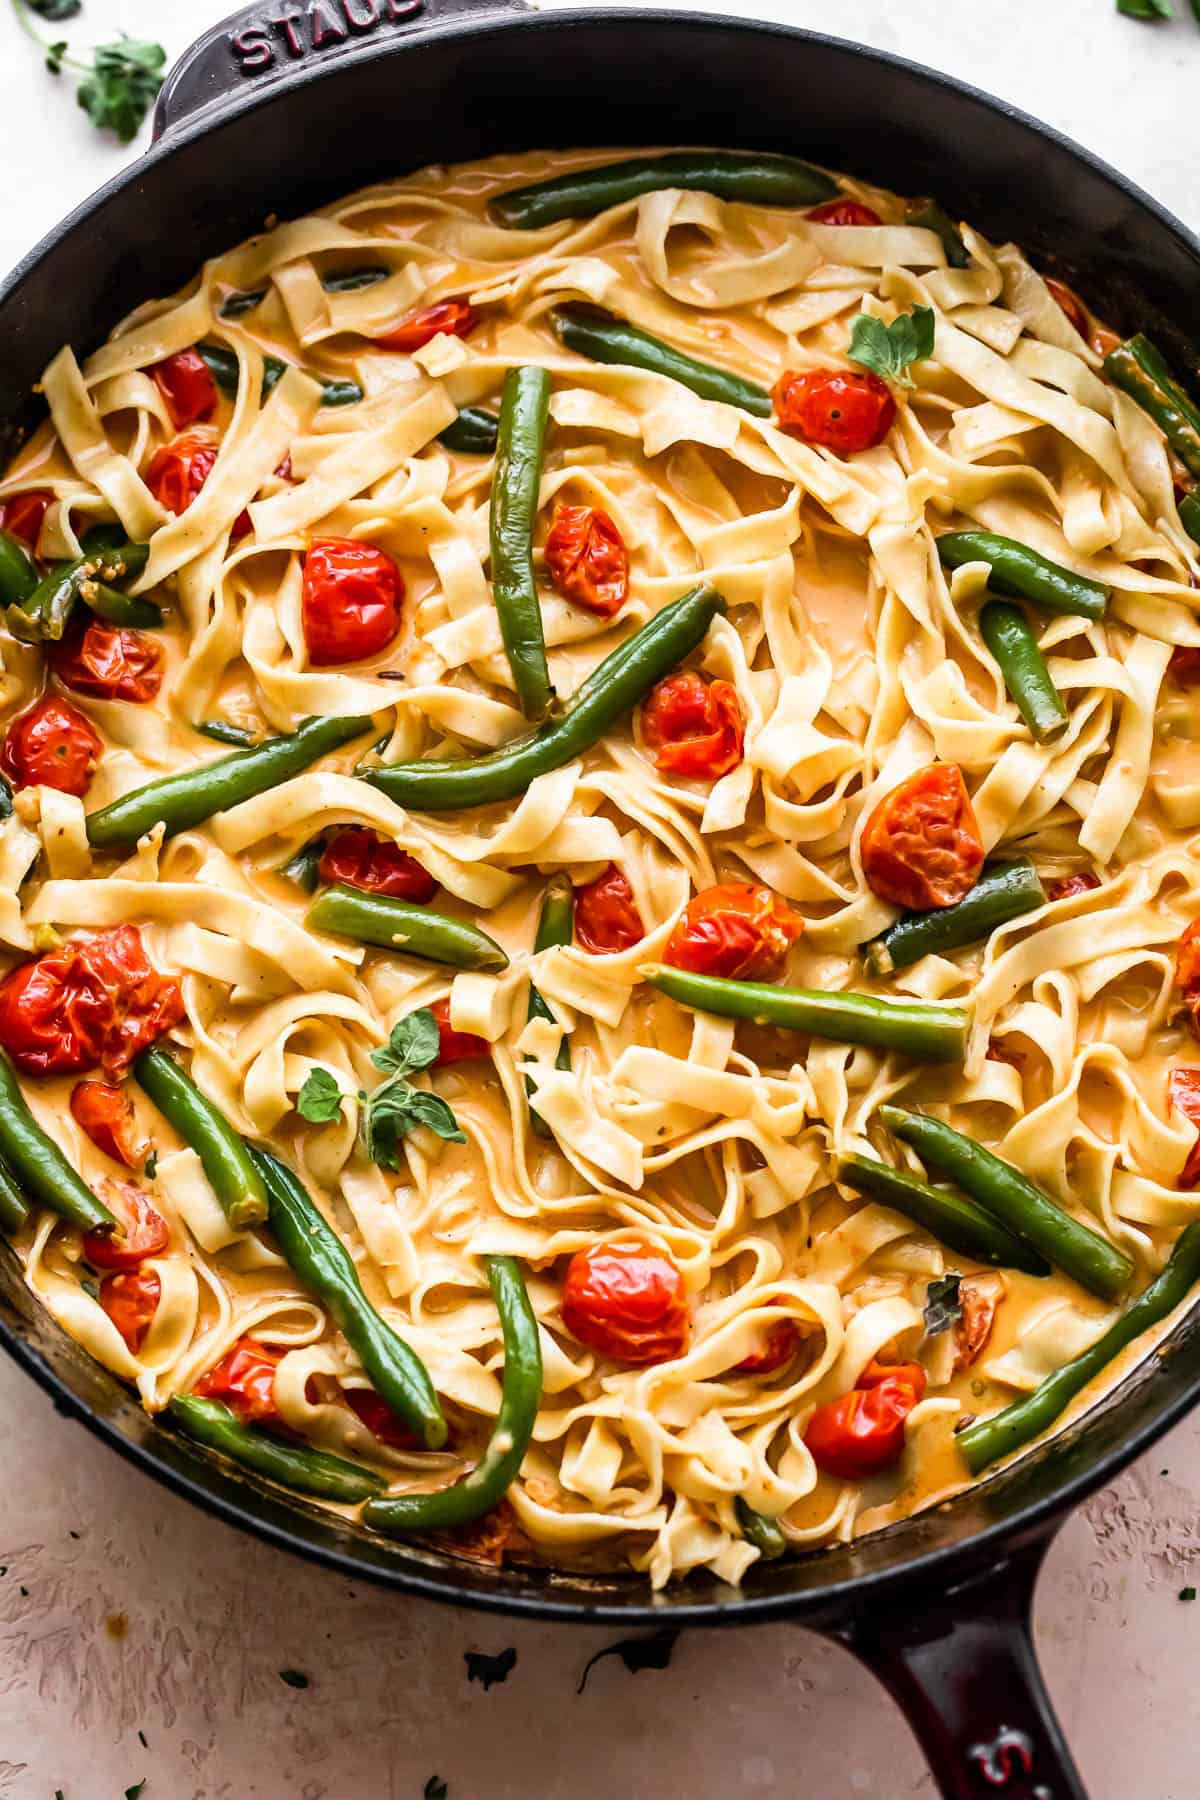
(121, 1610)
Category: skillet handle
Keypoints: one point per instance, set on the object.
(273, 40)
(962, 1665)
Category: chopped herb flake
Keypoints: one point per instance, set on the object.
(435, 1789)
(294, 1678)
(489, 1669)
(653, 1652)
(942, 1309)
(1187, 1593)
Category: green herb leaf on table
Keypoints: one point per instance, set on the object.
(123, 85)
(1146, 9)
(294, 1678)
(651, 1652)
(1187, 1593)
(320, 1099)
(942, 1309)
(889, 350)
(133, 1793)
(54, 10)
(435, 1789)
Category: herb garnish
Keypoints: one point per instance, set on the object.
(888, 350)
(320, 1099)
(653, 1652)
(131, 1793)
(396, 1107)
(1187, 1593)
(490, 1670)
(435, 1789)
(942, 1309)
(295, 1678)
(120, 82)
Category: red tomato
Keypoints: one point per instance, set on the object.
(187, 387)
(1187, 972)
(456, 1046)
(1067, 886)
(844, 411)
(1069, 304)
(628, 1301)
(110, 663)
(22, 515)
(1183, 1087)
(351, 601)
(587, 559)
(779, 1344)
(179, 470)
(1102, 340)
(51, 745)
(241, 526)
(1185, 664)
(379, 1419)
(457, 318)
(921, 846)
(361, 859)
(844, 212)
(143, 1230)
(695, 726)
(606, 916)
(95, 1002)
(106, 1113)
(131, 1300)
(864, 1430)
(244, 1379)
(736, 930)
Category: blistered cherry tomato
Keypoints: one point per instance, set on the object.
(110, 662)
(606, 916)
(737, 930)
(1067, 886)
(244, 1379)
(131, 1300)
(844, 411)
(1184, 1090)
(1104, 341)
(143, 1230)
(22, 515)
(379, 1419)
(1069, 304)
(921, 846)
(51, 745)
(362, 859)
(456, 1046)
(187, 387)
(694, 726)
(106, 1113)
(241, 526)
(864, 1430)
(1187, 972)
(456, 318)
(628, 1301)
(844, 212)
(587, 559)
(1185, 664)
(351, 601)
(180, 469)
(93, 1003)
(780, 1343)
(979, 1298)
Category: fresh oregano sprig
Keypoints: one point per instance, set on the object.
(117, 86)
(395, 1107)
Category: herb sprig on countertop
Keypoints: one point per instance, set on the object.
(1150, 11)
(120, 82)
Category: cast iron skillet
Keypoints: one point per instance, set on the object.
(282, 109)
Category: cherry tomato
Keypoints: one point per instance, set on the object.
(1069, 304)
(864, 1430)
(22, 515)
(187, 387)
(457, 318)
(362, 859)
(51, 745)
(1183, 1088)
(1187, 972)
(979, 1298)
(244, 1379)
(109, 662)
(606, 916)
(780, 1341)
(1185, 664)
(694, 726)
(921, 846)
(351, 601)
(736, 930)
(844, 212)
(106, 1113)
(180, 469)
(95, 1002)
(844, 411)
(1103, 341)
(143, 1230)
(587, 559)
(456, 1046)
(628, 1301)
(131, 1300)
(241, 526)
(379, 1419)
(1067, 886)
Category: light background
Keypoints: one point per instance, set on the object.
(122, 1610)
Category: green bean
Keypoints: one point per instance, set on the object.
(1189, 516)
(223, 367)
(221, 731)
(347, 281)
(226, 1161)
(318, 1258)
(515, 483)
(14, 1208)
(988, 1439)
(473, 433)
(121, 609)
(556, 926)
(183, 801)
(611, 691)
(759, 1530)
(1013, 642)
(607, 339)
(1004, 891)
(1024, 574)
(1138, 368)
(496, 1469)
(44, 615)
(761, 180)
(927, 214)
(403, 926)
(18, 572)
(914, 1028)
(305, 867)
(955, 1221)
(39, 1166)
(292, 1466)
(1016, 1201)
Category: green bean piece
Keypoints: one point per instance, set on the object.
(1013, 643)
(555, 926)
(1140, 370)
(515, 483)
(927, 214)
(37, 1164)
(607, 339)
(496, 1469)
(759, 1530)
(6, 798)
(1189, 516)
(1018, 1424)
(915, 1028)
(236, 306)
(223, 367)
(1004, 891)
(347, 281)
(292, 1466)
(610, 692)
(186, 800)
(122, 609)
(14, 1208)
(953, 1220)
(1016, 1201)
(221, 731)
(18, 572)
(318, 1258)
(305, 867)
(44, 615)
(473, 433)
(761, 180)
(1024, 574)
(404, 927)
(226, 1161)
